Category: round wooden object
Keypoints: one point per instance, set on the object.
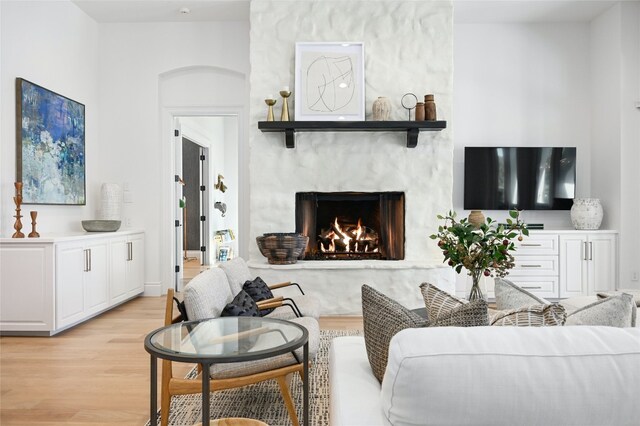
(235, 421)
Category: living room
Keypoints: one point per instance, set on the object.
(550, 74)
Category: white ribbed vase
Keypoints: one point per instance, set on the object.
(111, 197)
(586, 213)
(381, 109)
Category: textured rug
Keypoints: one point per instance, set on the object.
(263, 401)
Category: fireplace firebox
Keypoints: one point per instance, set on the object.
(351, 225)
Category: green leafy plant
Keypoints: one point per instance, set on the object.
(482, 250)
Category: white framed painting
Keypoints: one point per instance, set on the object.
(329, 81)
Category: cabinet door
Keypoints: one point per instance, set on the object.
(573, 265)
(602, 267)
(135, 265)
(71, 264)
(96, 279)
(118, 272)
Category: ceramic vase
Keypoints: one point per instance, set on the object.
(381, 109)
(476, 218)
(586, 213)
(111, 197)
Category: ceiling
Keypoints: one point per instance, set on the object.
(465, 11)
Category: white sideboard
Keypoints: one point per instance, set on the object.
(50, 284)
(560, 264)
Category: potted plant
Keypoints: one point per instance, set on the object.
(484, 249)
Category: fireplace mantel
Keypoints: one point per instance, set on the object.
(413, 128)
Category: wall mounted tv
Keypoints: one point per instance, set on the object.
(524, 178)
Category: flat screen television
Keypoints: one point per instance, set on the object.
(523, 178)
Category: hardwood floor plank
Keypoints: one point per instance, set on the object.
(94, 374)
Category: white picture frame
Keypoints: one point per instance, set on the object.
(329, 81)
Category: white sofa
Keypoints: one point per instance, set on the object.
(578, 375)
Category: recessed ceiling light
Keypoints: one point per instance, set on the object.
(185, 11)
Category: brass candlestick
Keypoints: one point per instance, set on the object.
(33, 233)
(271, 103)
(18, 200)
(285, 108)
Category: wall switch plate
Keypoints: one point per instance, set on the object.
(635, 276)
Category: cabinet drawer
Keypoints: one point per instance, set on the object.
(546, 287)
(535, 266)
(537, 244)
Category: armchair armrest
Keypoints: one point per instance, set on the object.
(276, 302)
(284, 284)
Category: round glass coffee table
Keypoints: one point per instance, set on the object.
(224, 340)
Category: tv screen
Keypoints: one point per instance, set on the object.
(505, 178)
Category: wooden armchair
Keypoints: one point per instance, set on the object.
(205, 297)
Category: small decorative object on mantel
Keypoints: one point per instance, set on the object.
(271, 102)
(285, 93)
(476, 218)
(282, 248)
(429, 108)
(586, 213)
(381, 109)
(409, 102)
(33, 233)
(482, 251)
(18, 200)
(420, 111)
(220, 184)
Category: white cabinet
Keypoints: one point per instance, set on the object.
(127, 267)
(82, 279)
(49, 284)
(588, 263)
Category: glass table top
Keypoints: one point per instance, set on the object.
(227, 339)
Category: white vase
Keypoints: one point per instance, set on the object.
(111, 197)
(381, 109)
(586, 213)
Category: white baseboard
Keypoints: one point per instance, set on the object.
(152, 289)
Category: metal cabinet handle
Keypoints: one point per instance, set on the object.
(530, 245)
(129, 251)
(532, 287)
(86, 260)
(584, 248)
(531, 266)
(590, 250)
(90, 260)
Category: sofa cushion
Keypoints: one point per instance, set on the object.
(614, 311)
(526, 375)
(237, 273)
(531, 316)
(511, 296)
(259, 290)
(383, 317)
(241, 306)
(207, 294)
(632, 292)
(445, 310)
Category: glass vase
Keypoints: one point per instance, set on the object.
(477, 288)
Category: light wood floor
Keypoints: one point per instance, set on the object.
(97, 373)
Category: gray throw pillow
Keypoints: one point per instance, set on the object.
(383, 317)
(472, 314)
(512, 296)
(615, 311)
(632, 292)
(531, 316)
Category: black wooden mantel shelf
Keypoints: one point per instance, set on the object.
(413, 128)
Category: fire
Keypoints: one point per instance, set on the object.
(347, 238)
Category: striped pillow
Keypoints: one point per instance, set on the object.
(531, 316)
(438, 302)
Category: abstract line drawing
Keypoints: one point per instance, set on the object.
(50, 146)
(330, 83)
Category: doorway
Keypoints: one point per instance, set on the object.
(206, 193)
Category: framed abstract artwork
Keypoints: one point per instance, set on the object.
(50, 132)
(329, 81)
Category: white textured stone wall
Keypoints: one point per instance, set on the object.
(408, 48)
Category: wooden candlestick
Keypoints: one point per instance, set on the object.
(18, 200)
(33, 233)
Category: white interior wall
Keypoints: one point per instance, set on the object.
(232, 179)
(55, 45)
(149, 72)
(519, 84)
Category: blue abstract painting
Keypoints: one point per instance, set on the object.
(51, 146)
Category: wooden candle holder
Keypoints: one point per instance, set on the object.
(18, 200)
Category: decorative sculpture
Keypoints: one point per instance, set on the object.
(18, 200)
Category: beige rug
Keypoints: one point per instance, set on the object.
(263, 401)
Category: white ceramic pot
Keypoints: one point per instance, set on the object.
(586, 213)
(381, 109)
(111, 197)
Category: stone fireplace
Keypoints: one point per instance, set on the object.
(408, 48)
(351, 225)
